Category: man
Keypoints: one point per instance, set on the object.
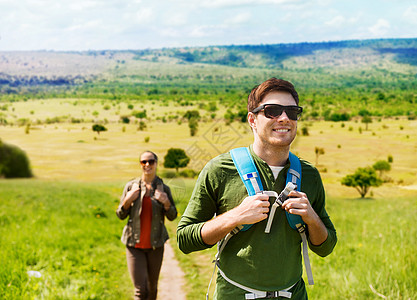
(263, 262)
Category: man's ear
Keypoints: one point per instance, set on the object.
(252, 120)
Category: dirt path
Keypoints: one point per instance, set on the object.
(171, 280)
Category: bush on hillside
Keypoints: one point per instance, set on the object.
(13, 162)
(176, 158)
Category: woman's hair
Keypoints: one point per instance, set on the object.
(148, 151)
(271, 85)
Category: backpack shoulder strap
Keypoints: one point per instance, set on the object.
(247, 170)
(295, 221)
(294, 173)
(248, 173)
(294, 176)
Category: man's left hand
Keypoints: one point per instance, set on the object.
(298, 204)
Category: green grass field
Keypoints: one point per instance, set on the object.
(69, 233)
(63, 222)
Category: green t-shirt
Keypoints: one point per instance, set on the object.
(266, 262)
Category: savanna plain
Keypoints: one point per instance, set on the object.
(62, 223)
(59, 234)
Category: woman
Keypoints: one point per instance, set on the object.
(146, 201)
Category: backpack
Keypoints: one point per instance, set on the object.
(250, 176)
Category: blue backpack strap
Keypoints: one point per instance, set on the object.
(294, 176)
(247, 170)
(295, 221)
(248, 173)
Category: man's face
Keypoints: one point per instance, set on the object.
(278, 131)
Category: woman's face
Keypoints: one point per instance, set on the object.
(148, 163)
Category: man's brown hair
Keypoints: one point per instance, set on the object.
(271, 85)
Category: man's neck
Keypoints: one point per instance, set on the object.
(273, 156)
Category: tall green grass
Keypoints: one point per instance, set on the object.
(375, 258)
(376, 250)
(66, 231)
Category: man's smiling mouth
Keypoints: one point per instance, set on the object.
(281, 130)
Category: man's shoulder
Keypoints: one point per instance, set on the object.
(222, 163)
(308, 168)
(224, 159)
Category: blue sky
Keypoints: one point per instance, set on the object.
(142, 24)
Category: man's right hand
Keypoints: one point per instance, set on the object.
(252, 210)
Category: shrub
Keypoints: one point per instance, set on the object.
(168, 174)
(125, 119)
(13, 162)
(304, 131)
(188, 173)
(142, 126)
(337, 117)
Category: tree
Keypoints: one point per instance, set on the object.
(192, 114)
(363, 179)
(366, 120)
(98, 128)
(193, 117)
(193, 125)
(176, 158)
(318, 151)
(382, 166)
(140, 114)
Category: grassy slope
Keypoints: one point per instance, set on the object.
(68, 232)
(375, 236)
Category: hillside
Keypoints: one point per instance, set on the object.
(325, 54)
(335, 74)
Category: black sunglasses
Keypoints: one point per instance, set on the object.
(275, 110)
(149, 161)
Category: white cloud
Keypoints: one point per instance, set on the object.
(202, 31)
(88, 25)
(82, 5)
(380, 28)
(238, 19)
(144, 15)
(176, 19)
(342, 21)
(336, 21)
(411, 14)
(170, 32)
(231, 3)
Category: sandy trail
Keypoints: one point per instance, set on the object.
(171, 280)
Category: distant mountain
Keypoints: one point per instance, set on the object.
(275, 55)
(379, 76)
